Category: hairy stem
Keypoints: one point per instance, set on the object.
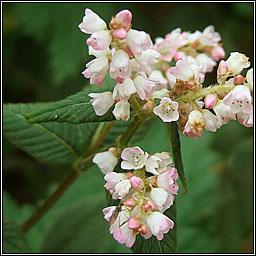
(40, 212)
(80, 166)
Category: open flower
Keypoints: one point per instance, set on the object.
(134, 158)
(167, 110)
(237, 62)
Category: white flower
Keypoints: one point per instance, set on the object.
(120, 65)
(147, 60)
(138, 41)
(159, 163)
(237, 62)
(167, 110)
(106, 161)
(239, 99)
(245, 119)
(223, 113)
(159, 196)
(91, 22)
(208, 63)
(159, 224)
(158, 75)
(124, 90)
(211, 121)
(101, 102)
(122, 110)
(249, 76)
(134, 158)
(209, 36)
(118, 184)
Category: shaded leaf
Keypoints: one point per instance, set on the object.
(167, 245)
(48, 142)
(86, 230)
(14, 240)
(176, 151)
(76, 108)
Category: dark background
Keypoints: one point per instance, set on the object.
(44, 54)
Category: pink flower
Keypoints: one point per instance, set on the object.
(100, 40)
(137, 183)
(167, 50)
(144, 86)
(218, 53)
(210, 101)
(101, 102)
(120, 33)
(124, 17)
(239, 99)
(120, 65)
(118, 184)
(159, 224)
(138, 41)
(108, 212)
(91, 22)
(134, 158)
(209, 37)
(97, 69)
(208, 63)
(167, 180)
(167, 110)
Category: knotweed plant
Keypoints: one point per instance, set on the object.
(134, 79)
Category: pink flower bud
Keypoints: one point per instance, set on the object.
(130, 203)
(179, 55)
(218, 53)
(120, 33)
(143, 229)
(222, 68)
(149, 206)
(238, 80)
(112, 149)
(210, 101)
(125, 18)
(134, 223)
(136, 182)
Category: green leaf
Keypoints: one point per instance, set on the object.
(54, 142)
(167, 245)
(176, 151)
(76, 108)
(86, 230)
(14, 240)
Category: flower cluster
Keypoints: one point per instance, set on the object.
(145, 190)
(210, 107)
(126, 54)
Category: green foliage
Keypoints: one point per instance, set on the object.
(167, 245)
(14, 240)
(83, 231)
(47, 142)
(74, 109)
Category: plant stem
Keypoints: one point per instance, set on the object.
(40, 212)
(85, 163)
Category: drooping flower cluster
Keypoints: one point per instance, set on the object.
(143, 198)
(126, 54)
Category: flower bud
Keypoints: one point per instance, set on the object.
(218, 53)
(120, 33)
(134, 223)
(179, 55)
(137, 183)
(210, 101)
(223, 68)
(143, 229)
(125, 18)
(238, 80)
(130, 203)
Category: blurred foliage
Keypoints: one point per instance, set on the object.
(44, 54)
